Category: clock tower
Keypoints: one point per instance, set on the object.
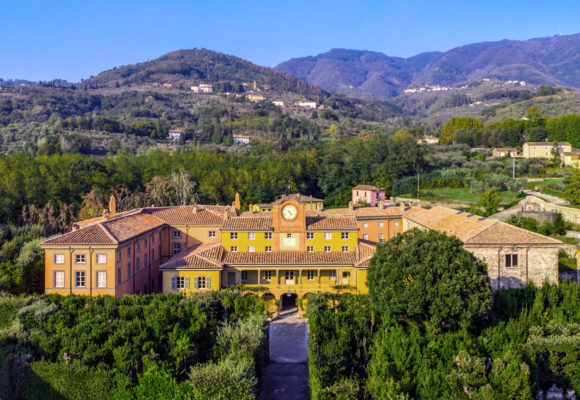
(289, 220)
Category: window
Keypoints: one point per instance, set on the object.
(80, 258)
(179, 282)
(511, 260)
(396, 234)
(128, 252)
(145, 262)
(289, 274)
(310, 249)
(332, 275)
(310, 274)
(101, 279)
(381, 237)
(234, 249)
(176, 248)
(365, 236)
(211, 234)
(268, 249)
(268, 235)
(138, 264)
(244, 276)
(344, 235)
(201, 282)
(327, 235)
(145, 243)
(251, 249)
(59, 258)
(138, 247)
(128, 270)
(119, 278)
(288, 235)
(327, 249)
(152, 254)
(251, 235)
(396, 224)
(310, 235)
(58, 279)
(365, 224)
(267, 275)
(101, 258)
(344, 249)
(176, 234)
(381, 224)
(119, 256)
(234, 235)
(80, 278)
(153, 239)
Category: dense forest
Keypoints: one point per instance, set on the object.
(430, 328)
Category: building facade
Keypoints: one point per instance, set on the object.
(367, 194)
(544, 149)
(504, 152)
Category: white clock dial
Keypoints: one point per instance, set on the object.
(289, 212)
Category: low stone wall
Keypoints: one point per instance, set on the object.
(569, 214)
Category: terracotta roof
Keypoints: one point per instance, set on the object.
(504, 149)
(364, 252)
(248, 224)
(301, 198)
(92, 221)
(365, 187)
(290, 258)
(474, 229)
(547, 143)
(362, 212)
(192, 215)
(208, 255)
(331, 223)
(93, 234)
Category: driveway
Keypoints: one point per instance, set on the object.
(547, 197)
(286, 377)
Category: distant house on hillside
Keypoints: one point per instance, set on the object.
(544, 149)
(305, 104)
(570, 159)
(428, 139)
(174, 134)
(504, 152)
(255, 97)
(278, 103)
(202, 88)
(367, 194)
(241, 139)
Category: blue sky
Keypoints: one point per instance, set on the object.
(43, 40)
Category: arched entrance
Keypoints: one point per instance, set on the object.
(288, 301)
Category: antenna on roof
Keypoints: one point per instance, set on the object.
(470, 215)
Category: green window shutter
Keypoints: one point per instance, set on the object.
(208, 283)
(196, 283)
(187, 283)
(173, 283)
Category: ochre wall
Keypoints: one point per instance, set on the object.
(214, 276)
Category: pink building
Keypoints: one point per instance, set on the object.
(368, 194)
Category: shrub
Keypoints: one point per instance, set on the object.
(226, 380)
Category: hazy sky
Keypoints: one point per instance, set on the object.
(43, 40)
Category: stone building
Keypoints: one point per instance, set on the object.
(514, 256)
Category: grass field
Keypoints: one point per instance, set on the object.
(464, 195)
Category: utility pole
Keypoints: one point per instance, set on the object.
(418, 187)
(513, 167)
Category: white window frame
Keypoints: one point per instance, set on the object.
(267, 275)
(58, 279)
(267, 235)
(251, 235)
(327, 235)
(233, 249)
(509, 260)
(268, 249)
(80, 276)
(233, 235)
(289, 274)
(396, 224)
(344, 235)
(101, 279)
(58, 258)
(202, 282)
(310, 235)
(176, 248)
(244, 276)
(309, 249)
(345, 249)
(211, 234)
(381, 224)
(79, 257)
(365, 236)
(179, 283)
(365, 225)
(251, 249)
(118, 256)
(176, 234)
(310, 274)
(327, 249)
(101, 258)
(332, 275)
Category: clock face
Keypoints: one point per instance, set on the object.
(289, 212)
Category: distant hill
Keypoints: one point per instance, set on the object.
(203, 66)
(553, 61)
(15, 82)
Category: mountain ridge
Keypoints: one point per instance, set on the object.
(363, 73)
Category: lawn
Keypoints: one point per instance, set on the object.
(464, 195)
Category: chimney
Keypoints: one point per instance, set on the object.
(112, 206)
(106, 214)
(402, 207)
(237, 204)
(195, 210)
(350, 205)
